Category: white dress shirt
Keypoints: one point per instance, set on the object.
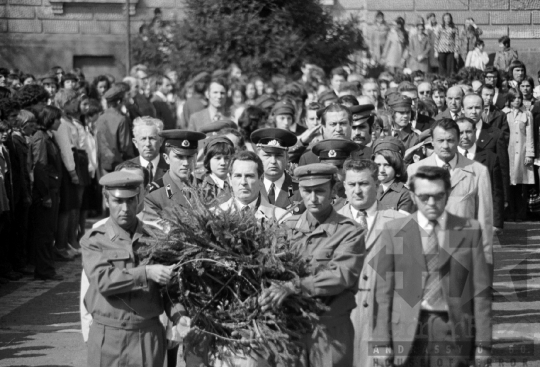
(218, 181)
(452, 163)
(478, 129)
(251, 205)
(155, 163)
(371, 212)
(278, 184)
(427, 227)
(471, 152)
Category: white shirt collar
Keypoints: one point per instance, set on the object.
(471, 152)
(278, 183)
(478, 128)
(386, 185)
(371, 212)
(155, 163)
(441, 163)
(424, 223)
(251, 205)
(218, 181)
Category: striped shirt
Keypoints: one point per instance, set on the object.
(447, 40)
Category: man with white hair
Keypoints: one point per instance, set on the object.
(148, 142)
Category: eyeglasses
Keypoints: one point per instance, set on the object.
(425, 197)
(424, 92)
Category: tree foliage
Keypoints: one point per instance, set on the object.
(263, 37)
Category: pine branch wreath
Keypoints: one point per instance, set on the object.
(223, 260)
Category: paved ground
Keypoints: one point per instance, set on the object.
(39, 321)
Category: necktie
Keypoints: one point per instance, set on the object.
(150, 168)
(217, 116)
(272, 194)
(432, 290)
(361, 219)
(447, 167)
(466, 152)
(245, 209)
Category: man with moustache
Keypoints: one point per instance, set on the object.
(336, 123)
(489, 137)
(468, 148)
(362, 122)
(278, 186)
(454, 98)
(361, 186)
(146, 138)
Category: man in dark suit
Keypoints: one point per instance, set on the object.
(278, 187)
(159, 100)
(488, 137)
(454, 99)
(433, 294)
(492, 115)
(148, 142)
(336, 122)
(468, 148)
(491, 77)
(216, 110)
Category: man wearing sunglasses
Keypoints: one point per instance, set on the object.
(470, 192)
(434, 298)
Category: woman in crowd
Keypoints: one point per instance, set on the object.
(27, 79)
(68, 140)
(217, 154)
(439, 97)
(251, 93)
(392, 194)
(252, 118)
(47, 166)
(419, 48)
(447, 45)
(521, 153)
(395, 49)
(477, 58)
(505, 55)
(238, 97)
(377, 38)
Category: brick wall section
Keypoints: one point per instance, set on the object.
(37, 16)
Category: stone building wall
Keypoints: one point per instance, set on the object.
(37, 34)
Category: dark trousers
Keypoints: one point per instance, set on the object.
(433, 345)
(43, 221)
(518, 202)
(446, 63)
(22, 251)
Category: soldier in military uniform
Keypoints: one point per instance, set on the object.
(279, 188)
(180, 153)
(246, 170)
(334, 246)
(335, 152)
(401, 109)
(362, 123)
(123, 298)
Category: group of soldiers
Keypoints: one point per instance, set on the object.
(402, 287)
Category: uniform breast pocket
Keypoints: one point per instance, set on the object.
(322, 258)
(118, 258)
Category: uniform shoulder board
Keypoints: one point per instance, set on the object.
(158, 184)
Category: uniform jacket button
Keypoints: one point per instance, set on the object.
(365, 277)
(123, 324)
(328, 255)
(309, 242)
(365, 304)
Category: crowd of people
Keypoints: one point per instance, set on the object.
(426, 159)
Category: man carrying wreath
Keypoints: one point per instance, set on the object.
(334, 246)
